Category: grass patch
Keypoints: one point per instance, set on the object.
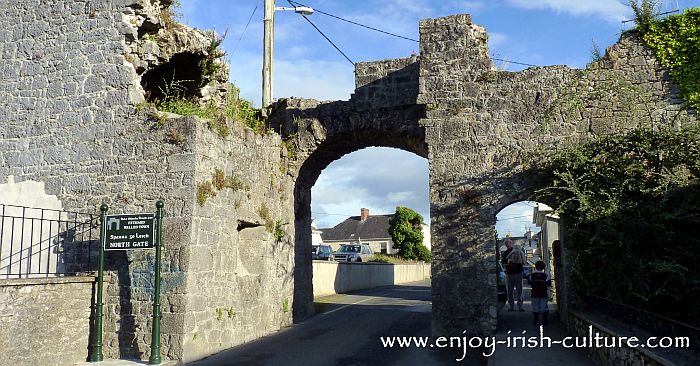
(211, 64)
(264, 213)
(219, 126)
(219, 179)
(235, 184)
(243, 111)
(237, 109)
(289, 145)
(205, 190)
(278, 232)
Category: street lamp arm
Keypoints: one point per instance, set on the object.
(303, 10)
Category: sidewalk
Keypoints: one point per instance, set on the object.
(517, 322)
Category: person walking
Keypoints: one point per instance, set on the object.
(539, 281)
(515, 260)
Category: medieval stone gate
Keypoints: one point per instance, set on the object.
(478, 127)
(68, 120)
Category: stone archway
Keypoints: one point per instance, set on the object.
(326, 132)
(479, 128)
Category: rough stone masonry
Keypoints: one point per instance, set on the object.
(71, 86)
(237, 249)
(479, 128)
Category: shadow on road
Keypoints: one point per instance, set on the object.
(348, 330)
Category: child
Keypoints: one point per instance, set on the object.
(539, 282)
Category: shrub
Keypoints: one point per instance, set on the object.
(632, 205)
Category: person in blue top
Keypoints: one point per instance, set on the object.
(539, 281)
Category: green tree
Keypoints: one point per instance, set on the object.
(405, 230)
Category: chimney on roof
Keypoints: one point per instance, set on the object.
(364, 214)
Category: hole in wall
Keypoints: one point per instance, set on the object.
(242, 225)
(181, 77)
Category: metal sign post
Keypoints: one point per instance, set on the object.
(126, 232)
(155, 331)
(96, 350)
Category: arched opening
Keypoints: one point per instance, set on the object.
(355, 197)
(332, 149)
(528, 237)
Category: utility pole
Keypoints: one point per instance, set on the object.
(268, 42)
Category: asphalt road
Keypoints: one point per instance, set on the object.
(346, 331)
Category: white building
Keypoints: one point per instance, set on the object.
(315, 234)
(545, 218)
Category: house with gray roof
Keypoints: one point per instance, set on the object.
(366, 229)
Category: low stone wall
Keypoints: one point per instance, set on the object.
(45, 321)
(331, 278)
(579, 324)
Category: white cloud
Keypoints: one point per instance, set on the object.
(299, 77)
(411, 7)
(610, 10)
(400, 196)
(376, 178)
(316, 79)
(497, 39)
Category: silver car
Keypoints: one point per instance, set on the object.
(354, 253)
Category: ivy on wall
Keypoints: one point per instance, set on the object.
(632, 201)
(632, 204)
(676, 41)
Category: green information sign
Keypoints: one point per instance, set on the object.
(134, 231)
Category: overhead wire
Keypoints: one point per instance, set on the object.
(331, 214)
(323, 34)
(355, 23)
(329, 40)
(295, 4)
(514, 217)
(656, 15)
(244, 29)
(514, 62)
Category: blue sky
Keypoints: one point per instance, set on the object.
(539, 32)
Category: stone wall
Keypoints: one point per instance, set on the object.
(240, 271)
(33, 309)
(71, 120)
(583, 326)
(71, 82)
(388, 83)
(481, 127)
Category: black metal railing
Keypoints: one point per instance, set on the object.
(651, 322)
(40, 242)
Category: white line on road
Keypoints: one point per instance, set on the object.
(354, 303)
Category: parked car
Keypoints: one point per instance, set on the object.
(354, 253)
(322, 252)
